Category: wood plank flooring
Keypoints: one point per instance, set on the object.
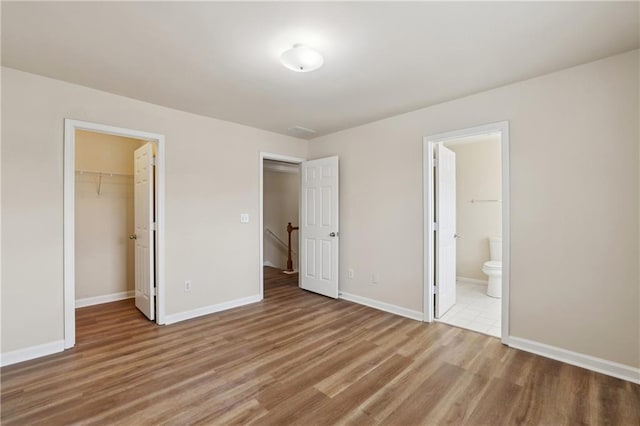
(300, 358)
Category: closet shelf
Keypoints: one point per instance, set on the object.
(100, 175)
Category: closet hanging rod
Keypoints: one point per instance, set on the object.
(99, 173)
(485, 201)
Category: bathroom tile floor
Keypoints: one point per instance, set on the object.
(474, 310)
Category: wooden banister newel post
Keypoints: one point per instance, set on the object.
(290, 229)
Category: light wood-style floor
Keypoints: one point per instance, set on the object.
(300, 358)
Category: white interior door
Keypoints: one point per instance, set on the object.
(319, 226)
(445, 217)
(144, 235)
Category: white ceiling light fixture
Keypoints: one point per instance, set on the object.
(301, 58)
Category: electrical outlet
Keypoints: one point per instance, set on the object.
(350, 273)
(187, 286)
(244, 218)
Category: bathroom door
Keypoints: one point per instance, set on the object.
(445, 217)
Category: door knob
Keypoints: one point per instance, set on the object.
(457, 236)
(333, 234)
(133, 236)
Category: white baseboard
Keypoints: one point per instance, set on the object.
(387, 307)
(97, 300)
(206, 310)
(31, 352)
(610, 368)
(471, 280)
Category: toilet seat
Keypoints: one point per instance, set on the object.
(493, 265)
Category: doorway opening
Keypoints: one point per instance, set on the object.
(281, 207)
(113, 221)
(467, 229)
(280, 217)
(318, 214)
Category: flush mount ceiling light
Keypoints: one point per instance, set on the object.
(301, 58)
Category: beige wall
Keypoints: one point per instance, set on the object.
(478, 176)
(212, 176)
(281, 191)
(104, 254)
(574, 204)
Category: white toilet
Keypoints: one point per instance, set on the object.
(493, 268)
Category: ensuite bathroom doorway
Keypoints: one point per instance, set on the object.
(466, 237)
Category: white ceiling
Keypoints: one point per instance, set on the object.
(222, 59)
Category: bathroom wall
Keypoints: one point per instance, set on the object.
(281, 192)
(478, 176)
(104, 254)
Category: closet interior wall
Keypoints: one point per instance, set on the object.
(104, 217)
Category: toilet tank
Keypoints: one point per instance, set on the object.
(495, 248)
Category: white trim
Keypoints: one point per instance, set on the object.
(70, 127)
(31, 352)
(387, 307)
(428, 238)
(106, 298)
(610, 368)
(471, 280)
(69, 220)
(160, 231)
(276, 157)
(211, 309)
(506, 229)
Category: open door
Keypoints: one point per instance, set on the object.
(144, 235)
(445, 217)
(319, 226)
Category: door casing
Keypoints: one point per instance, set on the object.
(428, 209)
(70, 127)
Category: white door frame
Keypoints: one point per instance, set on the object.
(428, 188)
(276, 157)
(70, 127)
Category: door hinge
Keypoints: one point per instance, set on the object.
(153, 161)
(435, 226)
(435, 162)
(154, 226)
